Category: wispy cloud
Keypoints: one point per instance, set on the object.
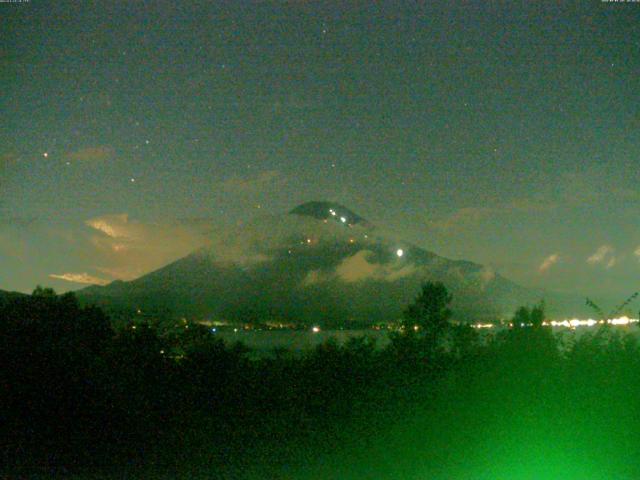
(468, 217)
(258, 182)
(83, 278)
(114, 226)
(549, 262)
(462, 218)
(604, 255)
(92, 154)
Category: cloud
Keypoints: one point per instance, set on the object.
(463, 218)
(114, 226)
(229, 253)
(125, 249)
(83, 278)
(357, 268)
(548, 262)
(91, 154)
(604, 255)
(256, 183)
(467, 217)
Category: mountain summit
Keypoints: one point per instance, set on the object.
(329, 211)
(320, 263)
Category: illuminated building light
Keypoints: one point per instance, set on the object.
(590, 322)
(623, 321)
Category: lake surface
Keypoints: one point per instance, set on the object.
(298, 341)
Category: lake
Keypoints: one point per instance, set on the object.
(299, 341)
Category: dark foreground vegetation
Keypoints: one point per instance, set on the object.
(82, 400)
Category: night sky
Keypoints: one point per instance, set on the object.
(502, 133)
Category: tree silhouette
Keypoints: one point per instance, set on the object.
(536, 315)
(529, 316)
(521, 318)
(429, 315)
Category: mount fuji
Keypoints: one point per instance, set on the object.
(320, 263)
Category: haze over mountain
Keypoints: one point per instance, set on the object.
(320, 263)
